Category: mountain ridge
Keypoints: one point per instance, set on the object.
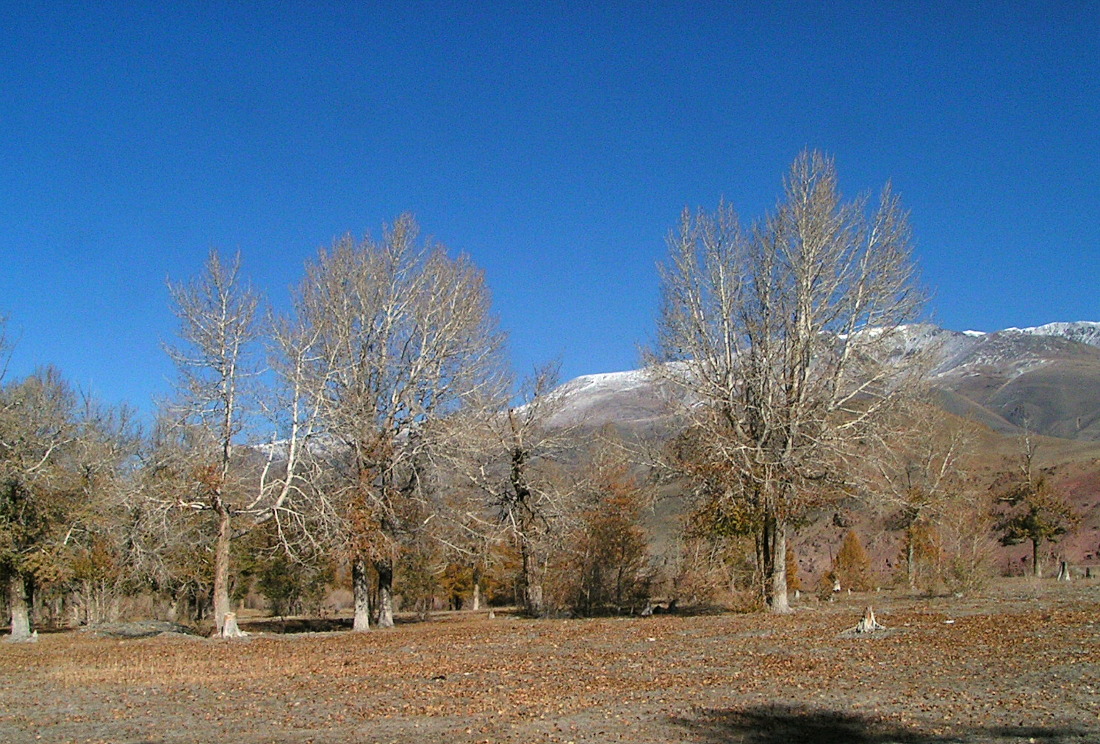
(1045, 378)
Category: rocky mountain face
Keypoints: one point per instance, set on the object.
(1045, 378)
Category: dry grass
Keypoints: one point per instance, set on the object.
(1020, 664)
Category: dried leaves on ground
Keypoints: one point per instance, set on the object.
(1020, 664)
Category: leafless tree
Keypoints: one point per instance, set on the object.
(513, 462)
(403, 336)
(294, 457)
(38, 428)
(99, 542)
(5, 347)
(783, 336)
(172, 539)
(219, 328)
(924, 474)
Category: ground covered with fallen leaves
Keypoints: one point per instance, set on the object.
(1020, 663)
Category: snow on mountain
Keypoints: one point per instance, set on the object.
(1082, 331)
(1012, 372)
(612, 397)
(607, 381)
(1016, 350)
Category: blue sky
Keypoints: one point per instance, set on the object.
(556, 144)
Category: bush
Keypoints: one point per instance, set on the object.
(852, 564)
(605, 567)
(968, 547)
(794, 583)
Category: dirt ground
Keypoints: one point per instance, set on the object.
(1018, 664)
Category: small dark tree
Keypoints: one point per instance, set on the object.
(1037, 513)
(281, 580)
(1035, 510)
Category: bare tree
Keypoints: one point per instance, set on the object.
(287, 492)
(5, 347)
(38, 427)
(783, 337)
(403, 336)
(925, 475)
(512, 459)
(173, 541)
(99, 541)
(219, 327)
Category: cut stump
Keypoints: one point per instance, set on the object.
(865, 626)
(868, 624)
(230, 629)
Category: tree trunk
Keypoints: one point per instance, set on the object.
(360, 589)
(910, 574)
(1063, 572)
(532, 586)
(475, 600)
(221, 567)
(385, 592)
(230, 628)
(775, 547)
(868, 624)
(1036, 569)
(19, 601)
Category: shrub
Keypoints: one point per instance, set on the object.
(852, 564)
(794, 583)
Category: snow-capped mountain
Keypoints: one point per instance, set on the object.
(630, 397)
(1082, 331)
(1046, 378)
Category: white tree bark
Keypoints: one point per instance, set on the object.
(401, 337)
(1063, 572)
(218, 325)
(229, 628)
(360, 590)
(783, 339)
(19, 601)
(384, 569)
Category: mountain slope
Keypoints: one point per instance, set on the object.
(1045, 378)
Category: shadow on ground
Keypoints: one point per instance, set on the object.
(296, 625)
(777, 724)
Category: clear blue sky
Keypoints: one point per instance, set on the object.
(555, 144)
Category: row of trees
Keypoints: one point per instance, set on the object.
(392, 422)
(375, 425)
(392, 431)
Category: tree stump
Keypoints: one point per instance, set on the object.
(230, 628)
(868, 624)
